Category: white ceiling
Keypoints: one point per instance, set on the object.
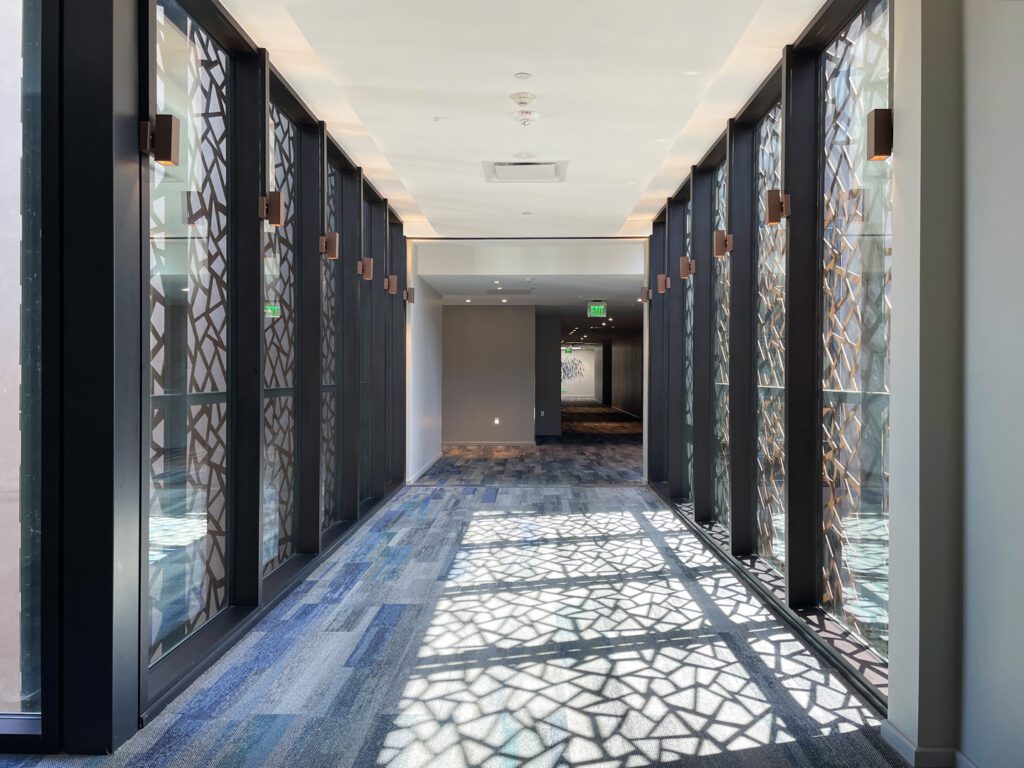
(631, 94)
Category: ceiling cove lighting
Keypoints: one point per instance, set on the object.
(160, 139)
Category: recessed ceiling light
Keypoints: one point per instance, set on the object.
(611, 319)
(468, 301)
(504, 301)
(522, 75)
(662, 141)
(529, 279)
(500, 288)
(604, 323)
(497, 282)
(639, 300)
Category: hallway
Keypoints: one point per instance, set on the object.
(599, 446)
(515, 625)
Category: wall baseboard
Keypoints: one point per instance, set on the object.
(489, 442)
(963, 762)
(412, 478)
(920, 757)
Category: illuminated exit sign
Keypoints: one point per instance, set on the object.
(271, 309)
(597, 309)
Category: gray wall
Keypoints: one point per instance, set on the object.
(548, 371)
(488, 373)
(628, 375)
(992, 717)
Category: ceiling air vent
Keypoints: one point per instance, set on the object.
(528, 171)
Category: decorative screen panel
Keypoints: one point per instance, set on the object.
(721, 478)
(688, 354)
(857, 269)
(279, 264)
(769, 339)
(187, 411)
(329, 317)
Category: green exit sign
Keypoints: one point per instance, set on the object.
(597, 309)
(272, 309)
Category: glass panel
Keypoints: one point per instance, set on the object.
(857, 262)
(769, 338)
(188, 338)
(721, 493)
(329, 318)
(279, 346)
(688, 356)
(20, 353)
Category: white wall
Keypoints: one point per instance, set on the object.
(992, 719)
(10, 349)
(489, 364)
(423, 375)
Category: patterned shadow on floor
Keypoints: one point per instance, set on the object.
(541, 626)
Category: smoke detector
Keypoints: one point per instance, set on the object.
(526, 116)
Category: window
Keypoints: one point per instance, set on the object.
(279, 346)
(769, 340)
(857, 270)
(20, 357)
(722, 271)
(330, 316)
(187, 409)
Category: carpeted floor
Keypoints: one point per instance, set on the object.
(598, 446)
(514, 626)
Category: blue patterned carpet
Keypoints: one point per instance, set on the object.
(515, 626)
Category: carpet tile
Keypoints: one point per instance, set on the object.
(516, 625)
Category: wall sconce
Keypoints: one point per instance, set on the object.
(364, 268)
(687, 267)
(879, 134)
(271, 208)
(329, 245)
(777, 206)
(391, 284)
(160, 139)
(409, 295)
(645, 294)
(664, 283)
(722, 243)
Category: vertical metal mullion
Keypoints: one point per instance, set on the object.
(656, 353)
(675, 374)
(800, 146)
(378, 403)
(249, 120)
(308, 300)
(351, 191)
(701, 192)
(101, 366)
(742, 423)
(396, 406)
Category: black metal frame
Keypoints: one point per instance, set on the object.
(794, 82)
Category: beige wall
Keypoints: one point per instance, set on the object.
(488, 374)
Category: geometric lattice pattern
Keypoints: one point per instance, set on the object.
(721, 493)
(857, 271)
(279, 265)
(769, 339)
(330, 315)
(188, 338)
(688, 353)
